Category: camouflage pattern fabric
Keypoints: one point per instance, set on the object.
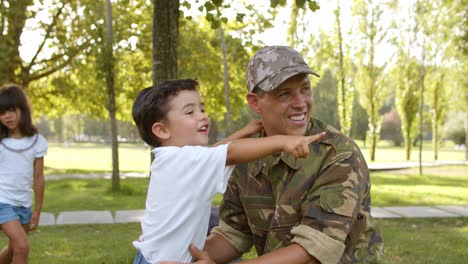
(273, 65)
(328, 192)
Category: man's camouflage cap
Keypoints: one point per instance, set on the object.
(273, 65)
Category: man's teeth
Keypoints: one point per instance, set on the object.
(297, 118)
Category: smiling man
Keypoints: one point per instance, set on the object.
(313, 210)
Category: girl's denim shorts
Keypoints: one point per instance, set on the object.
(10, 213)
(139, 259)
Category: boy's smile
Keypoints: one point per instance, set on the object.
(186, 122)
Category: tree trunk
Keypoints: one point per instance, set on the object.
(422, 74)
(466, 136)
(408, 143)
(109, 68)
(10, 41)
(226, 82)
(344, 107)
(165, 35)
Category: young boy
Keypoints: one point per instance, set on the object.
(185, 174)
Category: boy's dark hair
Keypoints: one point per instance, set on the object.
(12, 97)
(152, 105)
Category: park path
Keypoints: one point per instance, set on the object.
(135, 216)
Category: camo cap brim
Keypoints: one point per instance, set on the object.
(273, 65)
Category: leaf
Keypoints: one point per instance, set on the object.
(217, 3)
(209, 6)
(186, 4)
(313, 6)
(300, 3)
(215, 24)
(240, 17)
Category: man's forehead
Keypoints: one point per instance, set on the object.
(294, 82)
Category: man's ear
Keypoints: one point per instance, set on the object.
(253, 101)
(160, 131)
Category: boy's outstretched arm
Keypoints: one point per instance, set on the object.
(250, 129)
(249, 149)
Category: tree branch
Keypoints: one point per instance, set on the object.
(46, 36)
(44, 73)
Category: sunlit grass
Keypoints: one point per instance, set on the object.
(94, 194)
(386, 152)
(388, 189)
(393, 189)
(90, 157)
(420, 241)
(414, 241)
(406, 240)
(77, 244)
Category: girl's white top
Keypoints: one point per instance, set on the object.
(183, 183)
(17, 168)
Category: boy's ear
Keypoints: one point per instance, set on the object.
(160, 131)
(253, 101)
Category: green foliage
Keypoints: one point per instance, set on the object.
(201, 58)
(408, 94)
(325, 100)
(370, 81)
(359, 123)
(61, 24)
(453, 128)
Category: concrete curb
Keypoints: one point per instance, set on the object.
(135, 216)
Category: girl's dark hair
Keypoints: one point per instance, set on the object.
(152, 105)
(12, 97)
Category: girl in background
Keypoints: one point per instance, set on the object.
(22, 152)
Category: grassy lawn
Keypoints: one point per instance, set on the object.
(91, 157)
(412, 241)
(388, 189)
(437, 240)
(442, 185)
(386, 152)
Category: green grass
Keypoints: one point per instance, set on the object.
(412, 241)
(420, 241)
(386, 152)
(432, 188)
(77, 244)
(388, 189)
(92, 157)
(94, 194)
(406, 240)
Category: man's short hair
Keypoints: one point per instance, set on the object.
(152, 105)
(273, 65)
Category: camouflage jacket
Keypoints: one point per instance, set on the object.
(322, 203)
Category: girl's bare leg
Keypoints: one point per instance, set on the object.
(6, 255)
(18, 244)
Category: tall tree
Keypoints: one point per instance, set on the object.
(111, 107)
(165, 39)
(407, 85)
(60, 26)
(438, 101)
(345, 87)
(370, 78)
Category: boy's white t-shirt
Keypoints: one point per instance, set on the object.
(17, 168)
(178, 204)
